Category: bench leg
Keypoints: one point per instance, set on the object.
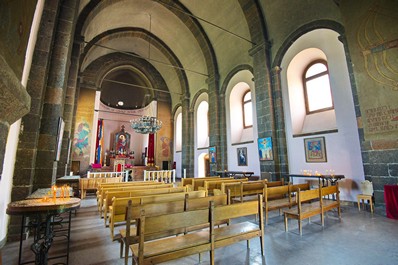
(121, 248)
(300, 227)
(248, 244)
(286, 228)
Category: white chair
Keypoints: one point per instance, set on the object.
(366, 195)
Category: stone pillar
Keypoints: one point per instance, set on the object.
(53, 107)
(280, 145)
(264, 102)
(70, 109)
(187, 156)
(217, 125)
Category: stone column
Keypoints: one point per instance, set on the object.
(264, 101)
(280, 145)
(70, 110)
(187, 156)
(53, 107)
(217, 126)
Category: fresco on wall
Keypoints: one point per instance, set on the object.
(164, 141)
(80, 140)
(378, 87)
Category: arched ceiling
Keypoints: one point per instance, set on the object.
(194, 35)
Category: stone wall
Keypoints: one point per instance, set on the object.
(372, 35)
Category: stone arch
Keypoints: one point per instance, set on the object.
(231, 74)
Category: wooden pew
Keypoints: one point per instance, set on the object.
(200, 182)
(117, 214)
(121, 184)
(86, 184)
(210, 185)
(276, 198)
(328, 203)
(241, 191)
(133, 193)
(189, 181)
(189, 203)
(308, 205)
(101, 194)
(170, 248)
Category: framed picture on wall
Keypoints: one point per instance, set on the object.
(315, 150)
(242, 156)
(213, 154)
(265, 148)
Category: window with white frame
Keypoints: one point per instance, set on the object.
(247, 109)
(178, 132)
(318, 95)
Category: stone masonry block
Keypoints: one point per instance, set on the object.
(376, 169)
(393, 170)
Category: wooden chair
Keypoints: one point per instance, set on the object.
(366, 195)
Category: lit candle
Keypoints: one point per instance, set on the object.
(54, 188)
(67, 191)
(62, 192)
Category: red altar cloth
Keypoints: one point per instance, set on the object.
(391, 200)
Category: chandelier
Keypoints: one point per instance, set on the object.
(146, 124)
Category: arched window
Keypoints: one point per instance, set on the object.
(202, 125)
(178, 133)
(318, 95)
(247, 110)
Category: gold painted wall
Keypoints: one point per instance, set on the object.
(164, 138)
(372, 33)
(81, 144)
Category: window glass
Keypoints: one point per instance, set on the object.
(317, 88)
(247, 110)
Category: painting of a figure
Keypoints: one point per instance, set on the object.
(315, 150)
(242, 156)
(212, 154)
(80, 141)
(265, 148)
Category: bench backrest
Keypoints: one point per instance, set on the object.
(308, 195)
(237, 210)
(198, 203)
(134, 193)
(200, 182)
(131, 183)
(301, 186)
(133, 187)
(210, 185)
(330, 190)
(253, 187)
(276, 192)
(275, 183)
(189, 181)
(93, 183)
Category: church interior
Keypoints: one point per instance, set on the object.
(298, 92)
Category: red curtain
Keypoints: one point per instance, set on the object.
(151, 149)
(391, 200)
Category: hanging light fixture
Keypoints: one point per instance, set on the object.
(146, 124)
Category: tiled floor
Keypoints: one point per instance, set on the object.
(359, 238)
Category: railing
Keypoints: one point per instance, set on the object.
(125, 174)
(166, 176)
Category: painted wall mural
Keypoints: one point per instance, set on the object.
(81, 139)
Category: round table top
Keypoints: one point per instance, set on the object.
(33, 206)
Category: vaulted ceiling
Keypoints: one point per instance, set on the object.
(205, 38)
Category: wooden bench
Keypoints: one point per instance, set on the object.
(121, 184)
(170, 248)
(279, 197)
(117, 213)
(210, 185)
(189, 181)
(86, 184)
(188, 204)
(308, 205)
(328, 203)
(102, 193)
(134, 193)
(200, 182)
(244, 191)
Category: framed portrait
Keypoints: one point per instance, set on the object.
(60, 134)
(212, 154)
(315, 150)
(242, 156)
(265, 148)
